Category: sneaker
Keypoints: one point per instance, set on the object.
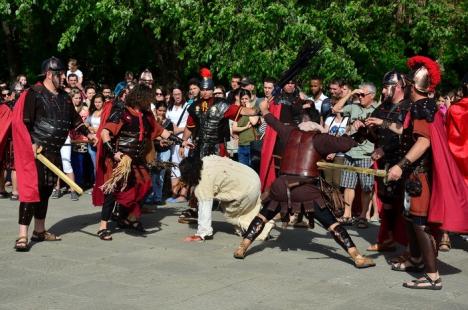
(74, 196)
(55, 194)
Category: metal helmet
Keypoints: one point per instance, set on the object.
(52, 64)
(425, 73)
(390, 80)
(207, 84)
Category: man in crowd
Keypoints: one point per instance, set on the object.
(358, 156)
(298, 188)
(43, 116)
(317, 93)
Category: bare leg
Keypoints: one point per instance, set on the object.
(348, 198)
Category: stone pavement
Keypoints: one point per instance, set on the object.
(299, 269)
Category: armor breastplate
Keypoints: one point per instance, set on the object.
(211, 125)
(407, 141)
(128, 141)
(300, 156)
(51, 129)
(384, 136)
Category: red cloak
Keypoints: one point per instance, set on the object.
(102, 166)
(457, 133)
(5, 120)
(25, 163)
(267, 163)
(449, 196)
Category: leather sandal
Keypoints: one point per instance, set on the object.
(412, 267)
(21, 244)
(419, 284)
(104, 234)
(188, 216)
(386, 246)
(242, 249)
(445, 245)
(44, 236)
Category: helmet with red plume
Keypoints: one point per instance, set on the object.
(425, 73)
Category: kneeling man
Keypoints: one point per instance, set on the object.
(234, 185)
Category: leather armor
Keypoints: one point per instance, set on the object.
(128, 140)
(51, 129)
(300, 157)
(211, 126)
(421, 109)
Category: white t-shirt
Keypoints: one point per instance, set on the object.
(318, 102)
(335, 127)
(175, 113)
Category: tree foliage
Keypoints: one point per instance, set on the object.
(360, 39)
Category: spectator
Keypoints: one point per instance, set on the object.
(93, 121)
(194, 90)
(178, 115)
(121, 85)
(73, 68)
(316, 89)
(245, 128)
(107, 92)
(336, 125)
(163, 150)
(358, 156)
(146, 78)
(219, 92)
(90, 92)
(23, 80)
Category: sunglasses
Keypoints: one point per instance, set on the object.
(363, 95)
(216, 94)
(159, 94)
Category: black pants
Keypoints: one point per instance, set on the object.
(37, 209)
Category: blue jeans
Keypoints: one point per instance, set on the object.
(157, 178)
(243, 154)
(92, 154)
(77, 162)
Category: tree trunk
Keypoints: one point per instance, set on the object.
(11, 51)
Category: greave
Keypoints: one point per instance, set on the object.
(255, 228)
(415, 250)
(342, 237)
(428, 247)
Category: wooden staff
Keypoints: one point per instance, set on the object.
(376, 172)
(58, 172)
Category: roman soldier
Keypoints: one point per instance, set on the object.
(298, 188)
(386, 154)
(43, 117)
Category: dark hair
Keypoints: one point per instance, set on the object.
(92, 107)
(312, 114)
(236, 76)
(231, 98)
(129, 74)
(106, 86)
(465, 85)
(90, 86)
(72, 75)
(245, 92)
(140, 96)
(269, 80)
(339, 82)
(160, 104)
(194, 81)
(316, 78)
(190, 170)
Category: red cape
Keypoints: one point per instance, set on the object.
(267, 164)
(457, 133)
(5, 120)
(449, 196)
(101, 163)
(25, 163)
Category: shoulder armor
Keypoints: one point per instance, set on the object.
(116, 114)
(221, 104)
(424, 109)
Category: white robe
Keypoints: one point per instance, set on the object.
(237, 187)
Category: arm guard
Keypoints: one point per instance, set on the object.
(175, 139)
(109, 149)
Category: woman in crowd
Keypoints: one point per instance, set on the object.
(245, 128)
(93, 121)
(79, 142)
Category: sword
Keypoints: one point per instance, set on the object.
(375, 172)
(58, 172)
